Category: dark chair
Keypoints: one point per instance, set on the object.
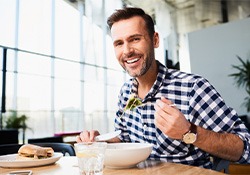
(9, 148)
(220, 165)
(64, 148)
(9, 136)
(56, 139)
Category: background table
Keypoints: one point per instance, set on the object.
(68, 165)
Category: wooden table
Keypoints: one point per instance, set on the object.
(68, 165)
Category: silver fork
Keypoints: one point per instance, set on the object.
(22, 172)
(143, 104)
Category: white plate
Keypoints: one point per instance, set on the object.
(10, 161)
(107, 136)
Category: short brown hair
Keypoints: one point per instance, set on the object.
(129, 12)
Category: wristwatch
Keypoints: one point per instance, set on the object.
(191, 136)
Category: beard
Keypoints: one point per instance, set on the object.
(145, 67)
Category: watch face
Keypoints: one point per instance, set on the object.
(189, 138)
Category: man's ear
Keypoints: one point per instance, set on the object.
(156, 40)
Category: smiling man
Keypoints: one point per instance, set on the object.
(183, 115)
(133, 52)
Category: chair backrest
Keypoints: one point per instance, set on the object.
(9, 136)
(9, 148)
(56, 139)
(65, 148)
(220, 165)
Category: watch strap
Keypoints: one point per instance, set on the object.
(193, 128)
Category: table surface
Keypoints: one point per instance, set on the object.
(68, 165)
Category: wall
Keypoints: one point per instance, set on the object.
(213, 52)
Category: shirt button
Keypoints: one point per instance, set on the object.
(145, 126)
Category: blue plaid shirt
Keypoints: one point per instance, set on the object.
(200, 103)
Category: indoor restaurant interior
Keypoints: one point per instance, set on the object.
(59, 74)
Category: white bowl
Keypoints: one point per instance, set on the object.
(126, 155)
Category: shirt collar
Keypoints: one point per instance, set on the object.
(152, 94)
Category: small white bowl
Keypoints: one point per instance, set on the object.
(126, 155)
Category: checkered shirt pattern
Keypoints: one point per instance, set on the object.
(200, 103)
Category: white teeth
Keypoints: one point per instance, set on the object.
(132, 61)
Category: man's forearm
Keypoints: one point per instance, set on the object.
(224, 145)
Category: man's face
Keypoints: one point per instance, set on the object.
(133, 46)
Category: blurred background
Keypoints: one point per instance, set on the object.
(59, 73)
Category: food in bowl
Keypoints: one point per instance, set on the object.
(126, 155)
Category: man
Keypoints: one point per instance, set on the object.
(182, 114)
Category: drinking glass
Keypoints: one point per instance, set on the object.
(90, 157)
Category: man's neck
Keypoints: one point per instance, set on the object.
(146, 81)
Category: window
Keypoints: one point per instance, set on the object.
(46, 78)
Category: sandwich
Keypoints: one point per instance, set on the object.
(35, 152)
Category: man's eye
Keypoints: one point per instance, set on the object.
(118, 44)
(136, 39)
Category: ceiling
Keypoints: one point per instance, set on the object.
(177, 4)
(147, 4)
(188, 15)
(149, 7)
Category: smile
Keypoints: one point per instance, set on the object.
(132, 61)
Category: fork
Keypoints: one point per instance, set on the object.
(143, 104)
(22, 172)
